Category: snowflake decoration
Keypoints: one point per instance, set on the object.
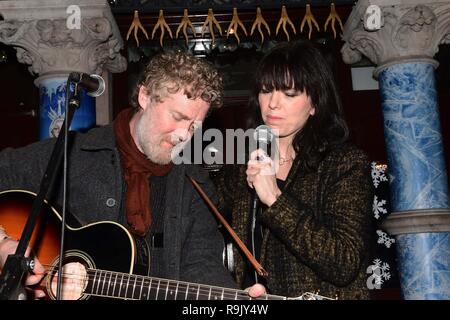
(383, 238)
(377, 207)
(378, 173)
(380, 271)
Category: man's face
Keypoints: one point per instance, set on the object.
(163, 125)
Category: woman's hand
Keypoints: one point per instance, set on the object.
(8, 246)
(261, 175)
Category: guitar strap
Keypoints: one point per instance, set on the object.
(259, 269)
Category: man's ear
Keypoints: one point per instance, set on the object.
(143, 97)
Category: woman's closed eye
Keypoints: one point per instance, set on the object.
(291, 93)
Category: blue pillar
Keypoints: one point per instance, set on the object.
(418, 179)
(52, 96)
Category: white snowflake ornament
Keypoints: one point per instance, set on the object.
(378, 208)
(383, 238)
(378, 173)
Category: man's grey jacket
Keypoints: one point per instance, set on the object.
(193, 245)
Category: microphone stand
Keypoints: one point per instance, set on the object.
(16, 265)
(253, 212)
(255, 202)
(264, 138)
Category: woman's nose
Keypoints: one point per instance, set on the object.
(274, 100)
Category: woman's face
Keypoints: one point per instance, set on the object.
(285, 111)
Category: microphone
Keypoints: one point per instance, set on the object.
(263, 136)
(93, 83)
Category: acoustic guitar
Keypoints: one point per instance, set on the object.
(107, 251)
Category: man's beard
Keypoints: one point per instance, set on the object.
(150, 143)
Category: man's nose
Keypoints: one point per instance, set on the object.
(180, 135)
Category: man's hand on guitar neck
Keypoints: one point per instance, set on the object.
(8, 246)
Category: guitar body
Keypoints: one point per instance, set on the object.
(103, 245)
(15, 208)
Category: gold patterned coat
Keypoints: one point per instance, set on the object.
(318, 233)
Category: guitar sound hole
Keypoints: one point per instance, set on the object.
(75, 277)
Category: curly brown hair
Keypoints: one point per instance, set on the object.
(170, 72)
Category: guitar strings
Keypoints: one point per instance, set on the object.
(153, 284)
(166, 285)
(163, 285)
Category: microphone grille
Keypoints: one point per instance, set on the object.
(101, 86)
(263, 134)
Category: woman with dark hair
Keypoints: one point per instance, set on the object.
(312, 230)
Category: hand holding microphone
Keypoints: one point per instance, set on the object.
(261, 169)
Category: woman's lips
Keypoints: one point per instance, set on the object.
(272, 118)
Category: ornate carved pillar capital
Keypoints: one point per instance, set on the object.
(56, 36)
(409, 30)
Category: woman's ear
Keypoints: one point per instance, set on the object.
(312, 111)
(143, 97)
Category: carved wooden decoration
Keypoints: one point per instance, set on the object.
(283, 20)
(210, 19)
(136, 25)
(333, 17)
(310, 18)
(185, 22)
(161, 24)
(258, 22)
(234, 26)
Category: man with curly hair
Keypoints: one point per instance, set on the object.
(123, 173)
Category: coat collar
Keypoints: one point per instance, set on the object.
(100, 138)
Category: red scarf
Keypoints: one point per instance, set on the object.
(137, 169)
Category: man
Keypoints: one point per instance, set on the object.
(123, 172)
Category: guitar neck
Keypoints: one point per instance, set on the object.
(135, 287)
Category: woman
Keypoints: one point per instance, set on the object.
(312, 231)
